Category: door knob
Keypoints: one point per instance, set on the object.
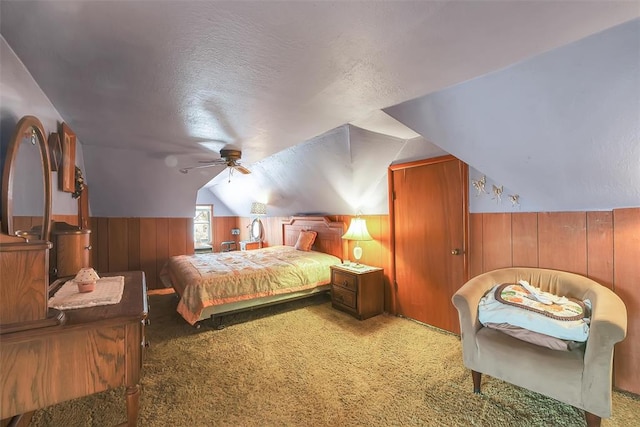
(455, 251)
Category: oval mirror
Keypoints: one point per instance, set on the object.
(256, 230)
(26, 183)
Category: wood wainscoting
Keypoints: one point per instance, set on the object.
(602, 245)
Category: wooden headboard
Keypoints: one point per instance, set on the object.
(329, 239)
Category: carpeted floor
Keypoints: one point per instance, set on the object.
(310, 365)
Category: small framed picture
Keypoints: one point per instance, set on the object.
(67, 169)
(55, 151)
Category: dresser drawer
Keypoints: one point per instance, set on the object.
(344, 296)
(345, 280)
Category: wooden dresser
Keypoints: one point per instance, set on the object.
(96, 349)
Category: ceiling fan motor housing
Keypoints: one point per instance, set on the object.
(229, 154)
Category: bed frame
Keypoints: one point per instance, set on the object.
(329, 240)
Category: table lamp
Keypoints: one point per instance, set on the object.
(358, 232)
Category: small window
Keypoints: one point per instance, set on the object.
(202, 234)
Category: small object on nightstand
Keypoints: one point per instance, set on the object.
(357, 289)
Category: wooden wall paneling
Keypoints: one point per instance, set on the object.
(475, 244)
(93, 237)
(102, 247)
(377, 252)
(118, 244)
(524, 236)
(626, 250)
(243, 224)
(562, 239)
(273, 230)
(222, 226)
(148, 251)
(600, 247)
(162, 246)
(69, 219)
(190, 242)
(133, 240)
(177, 236)
(496, 241)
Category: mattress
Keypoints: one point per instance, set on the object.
(216, 279)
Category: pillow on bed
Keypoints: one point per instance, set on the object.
(305, 240)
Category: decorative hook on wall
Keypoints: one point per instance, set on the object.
(515, 200)
(497, 193)
(479, 184)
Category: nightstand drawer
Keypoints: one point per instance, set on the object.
(345, 280)
(344, 296)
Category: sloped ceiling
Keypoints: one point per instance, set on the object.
(148, 82)
(561, 130)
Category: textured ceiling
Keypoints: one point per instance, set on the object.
(164, 77)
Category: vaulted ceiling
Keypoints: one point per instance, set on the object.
(164, 83)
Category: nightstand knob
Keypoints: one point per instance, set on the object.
(455, 252)
(345, 283)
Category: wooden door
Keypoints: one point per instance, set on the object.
(429, 220)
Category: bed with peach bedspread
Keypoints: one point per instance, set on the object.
(212, 284)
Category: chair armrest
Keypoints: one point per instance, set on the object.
(608, 326)
(608, 322)
(466, 301)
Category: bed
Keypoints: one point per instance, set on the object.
(212, 284)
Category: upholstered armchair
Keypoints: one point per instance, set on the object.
(580, 377)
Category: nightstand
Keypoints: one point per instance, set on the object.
(357, 290)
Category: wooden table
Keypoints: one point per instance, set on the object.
(96, 349)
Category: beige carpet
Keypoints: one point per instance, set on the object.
(315, 366)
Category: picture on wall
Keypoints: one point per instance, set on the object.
(67, 170)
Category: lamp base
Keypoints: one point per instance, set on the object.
(357, 254)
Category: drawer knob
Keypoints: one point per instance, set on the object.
(345, 283)
(88, 247)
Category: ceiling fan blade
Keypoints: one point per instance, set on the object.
(241, 169)
(185, 170)
(213, 162)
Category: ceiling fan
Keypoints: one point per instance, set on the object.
(228, 157)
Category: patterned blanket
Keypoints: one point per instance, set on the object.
(524, 306)
(205, 280)
(559, 308)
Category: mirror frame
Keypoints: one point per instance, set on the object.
(256, 226)
(25, 125)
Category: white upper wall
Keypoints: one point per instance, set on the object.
(21, 96)
(343, 171)
(561, 130)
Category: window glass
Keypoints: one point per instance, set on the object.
(202, 226)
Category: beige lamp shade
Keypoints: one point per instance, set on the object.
(358, 232)
(258, 208)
